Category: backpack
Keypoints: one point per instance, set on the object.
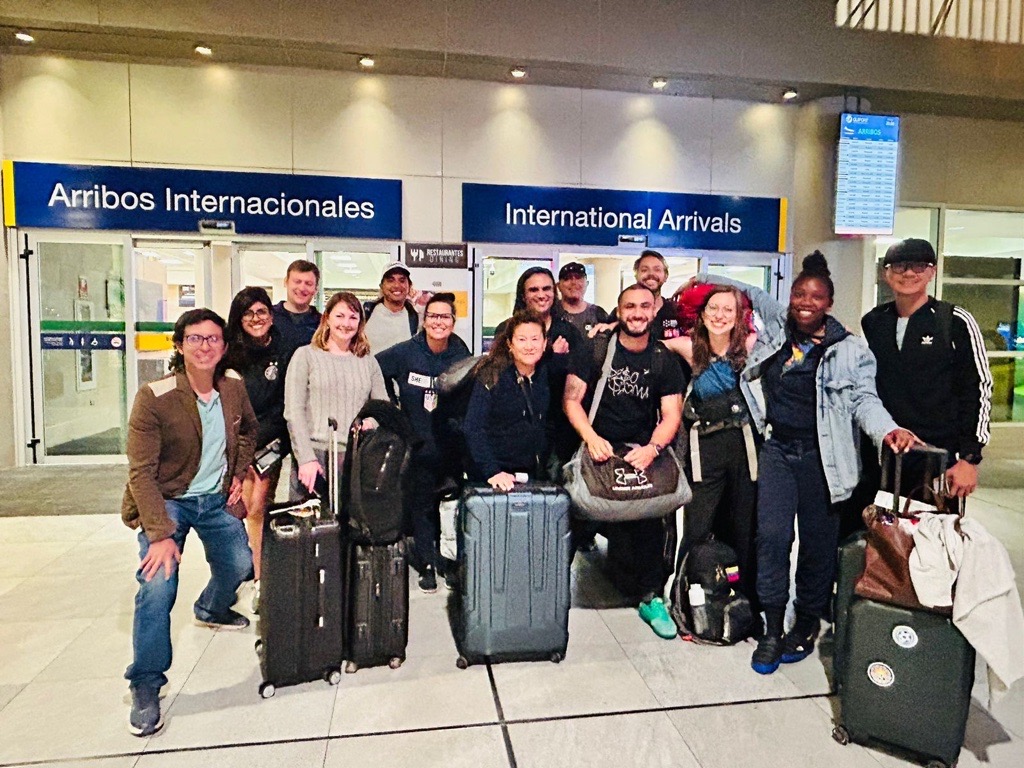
(706, 603)
(372, 481)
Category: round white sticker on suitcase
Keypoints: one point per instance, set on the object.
(881, 674)
(904, 636)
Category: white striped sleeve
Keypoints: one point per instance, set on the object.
(984, 375)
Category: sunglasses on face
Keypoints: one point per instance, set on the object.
(917, 267)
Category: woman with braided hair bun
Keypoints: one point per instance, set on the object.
(818, 381)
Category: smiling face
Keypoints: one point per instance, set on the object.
(438, 321)
(809, 302)
(257, 320)
(720, 313)
(202, 347)
(395, 288)
(343, 324)
(572, 287)
(301, 288)
(652, 273)
(913, 282)
(527, 346)
(636, 312)
(539, 292)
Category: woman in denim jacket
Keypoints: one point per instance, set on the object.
(818, 386)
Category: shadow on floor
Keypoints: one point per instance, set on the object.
(87, 489)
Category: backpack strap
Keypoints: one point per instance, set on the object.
(414, 319)
(606, 369)
(944, 324)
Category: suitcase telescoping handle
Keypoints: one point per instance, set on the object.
(934, 455)
(332, 468)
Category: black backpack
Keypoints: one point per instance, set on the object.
(710, 571)
(372, 482)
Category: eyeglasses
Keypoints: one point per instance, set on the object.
(436, 316)
(255, 314)
(196, 340)
(917, 267)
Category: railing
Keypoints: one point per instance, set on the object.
(990, 21)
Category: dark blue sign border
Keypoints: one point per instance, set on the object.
(496, 213)
(176, 200)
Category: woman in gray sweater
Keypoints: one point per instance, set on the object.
(330, 379)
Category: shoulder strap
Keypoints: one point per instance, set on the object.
(944, 323)
(414, 318)
(606, 369)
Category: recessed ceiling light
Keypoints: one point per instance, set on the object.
(790, 95)
(204, 50)
(24, 37)
(366, 62)
(518, 72)
(659, 83)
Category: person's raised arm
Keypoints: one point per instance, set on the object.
(682, 346)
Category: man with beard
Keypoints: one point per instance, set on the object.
(641, 405)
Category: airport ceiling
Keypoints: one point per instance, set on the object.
(159, 47)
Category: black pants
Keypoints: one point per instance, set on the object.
(636, 554)
(421, 504)
(725, 503)
(791, 484)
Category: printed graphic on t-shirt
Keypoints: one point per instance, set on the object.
(629, 382)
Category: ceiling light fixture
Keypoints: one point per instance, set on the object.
(790, 95)
(659, 83)
(204, 50)
(518, 72)
(366, 62)
(24, 37)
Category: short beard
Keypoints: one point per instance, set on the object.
(624, 327)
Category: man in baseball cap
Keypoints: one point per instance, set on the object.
(572, 285)
(392, 318)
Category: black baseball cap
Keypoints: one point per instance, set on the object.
(572, 269)
(913, 249)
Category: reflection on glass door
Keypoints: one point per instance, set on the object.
(355, 271)
(500, 276)
(81, 349)
(170, 279)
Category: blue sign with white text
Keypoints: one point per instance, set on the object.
(173, 200)
(493, 213)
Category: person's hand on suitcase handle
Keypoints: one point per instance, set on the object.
(308, 473)
(161, 554)
(961, 479)
(503, 481)
(901, 440)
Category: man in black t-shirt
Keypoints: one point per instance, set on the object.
(641, 404)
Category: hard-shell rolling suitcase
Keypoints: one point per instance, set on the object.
(904, 676)
(301, 623)
(377, 606)
(513, 588)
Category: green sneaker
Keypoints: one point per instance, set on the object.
(655, 613)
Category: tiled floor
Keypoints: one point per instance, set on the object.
(622, 697)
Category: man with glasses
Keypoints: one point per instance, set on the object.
(410, 373)
(191, 438)
(933, 376)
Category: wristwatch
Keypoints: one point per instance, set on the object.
(657, 448)
(971, 458)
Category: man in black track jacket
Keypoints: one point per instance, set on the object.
(933, 376)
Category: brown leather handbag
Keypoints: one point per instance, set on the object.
(890, 540)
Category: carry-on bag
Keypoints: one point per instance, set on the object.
(707, 604)
(377, 606)
(300, 624)
(515, 550)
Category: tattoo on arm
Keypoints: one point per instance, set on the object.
(575, 388)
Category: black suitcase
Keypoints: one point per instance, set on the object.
(904, 677)
(377, 606)
(513, 589)
(301, 623)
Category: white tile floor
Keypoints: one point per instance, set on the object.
(621, 697)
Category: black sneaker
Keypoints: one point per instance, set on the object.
(798, 643)
(230, 620)
(428, 580)
(145, 718)
(767, 655)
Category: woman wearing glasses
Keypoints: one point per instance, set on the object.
(332, 378)
(256, 351)
(410, 373)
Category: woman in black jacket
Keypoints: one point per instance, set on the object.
(256, 352)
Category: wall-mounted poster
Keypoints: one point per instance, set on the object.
(83, 287)
(85, 370)
(186, 295)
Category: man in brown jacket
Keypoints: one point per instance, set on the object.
(191, 438)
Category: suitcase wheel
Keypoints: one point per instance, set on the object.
(841, 735)
(556, 657)
(350, 667)
(395, 662)
(333, 676)
(267, 690)
(259, 646)
(462, 662)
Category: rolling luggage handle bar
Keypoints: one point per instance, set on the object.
(332, 469)
(939, 496)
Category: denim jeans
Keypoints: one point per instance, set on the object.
(227, 551)
(791, 484)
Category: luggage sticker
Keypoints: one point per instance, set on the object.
(881, 674)
(904, 636)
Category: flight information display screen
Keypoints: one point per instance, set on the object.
(866, 174)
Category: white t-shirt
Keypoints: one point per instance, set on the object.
(901, 330)
(385, 328)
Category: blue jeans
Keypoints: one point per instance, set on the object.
(227, 551)
(791, 484)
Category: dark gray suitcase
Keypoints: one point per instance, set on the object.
(377, 606)
(513, 588)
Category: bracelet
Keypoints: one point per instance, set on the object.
(657, 448)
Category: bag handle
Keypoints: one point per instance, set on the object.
(332, 470)
(939, 497)
(606, 370)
